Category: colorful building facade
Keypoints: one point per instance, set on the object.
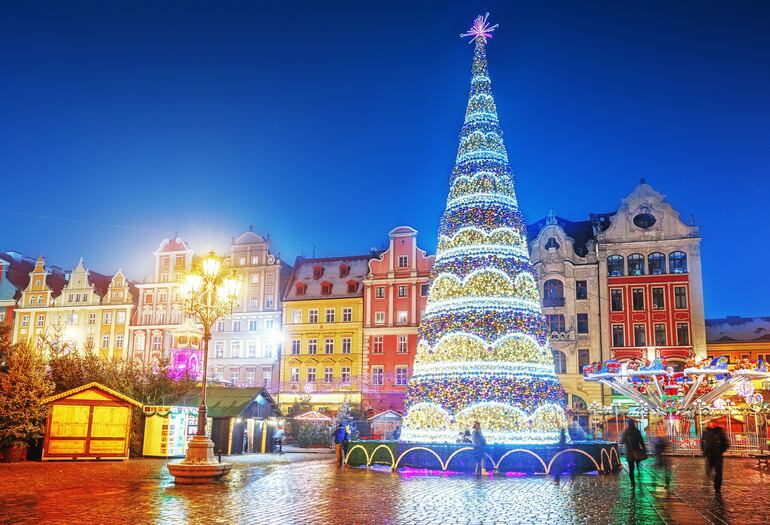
(395, 292)
(7, 294)
(245, 346)
(322, 360)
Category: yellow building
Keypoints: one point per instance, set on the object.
(322, 358)
(79, 309)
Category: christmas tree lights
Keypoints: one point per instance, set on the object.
(483, 353)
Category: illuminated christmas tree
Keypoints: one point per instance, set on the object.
(483, 353)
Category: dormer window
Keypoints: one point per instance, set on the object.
(318, 271)
(344, 270)
(301, 288)
(326, 288)
(352, 286)
(552, 244)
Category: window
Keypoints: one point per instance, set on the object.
(121, 318)
(559, 362)
(660, 334)
(311, 374)
(657, 262)
(267, 350)
(344, 270)
(41, 320)
(402, 290)
(328, 346)
(236, 325)
(677, 262)
(403, 261)
(219, 349)
(252, 325)
(107, 318)
(317, 272)
(254, 278)
(640, 335)
(254, 260)
(119, 341)
(615, 265)
(162, 296)
(584, 358)
(219, 372)
(403, 317)
(618, 335)
(251, 349)
(328, 374)
(326, 288)
(553, 293)
(269, 301)
(235, 349)
(379, 292)
(401, 378)
(345, 375)
(300, 288)
(616, 300)
(352, 286)
(156, 343)
(269, 323)
(147, 317)
(581, 290)
(556, 323)
(294, 375)
(250, 376)
(377, 346)
(552, 244)
(377, 375)
(295, 346)
(312, 315)
(242, 261)
(253, 300)
(105, 341)
(347, 343)
(347, 315)
(91, 319)
(235, 375)
(582, 323)
(296, 316)
(682, 334)
(403, 345)
(160, 316)
(379, 317)
(312, 346)
(637, 298)
(658, 300)
(25, 320)
(424, 290)
(644, 220)
(636, 264)
(680, 296)
(330, 315)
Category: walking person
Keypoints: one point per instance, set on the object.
(635, 451)
(278, 440)
(714, 444)
(339, 437)
(662, 461)
(479, 448)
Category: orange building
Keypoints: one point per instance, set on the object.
(395, 292)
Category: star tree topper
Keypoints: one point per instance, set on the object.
(480, 30)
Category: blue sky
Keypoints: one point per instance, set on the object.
(328, 125)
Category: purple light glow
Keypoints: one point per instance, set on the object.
(480, 30)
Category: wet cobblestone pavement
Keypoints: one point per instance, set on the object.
(307, 489)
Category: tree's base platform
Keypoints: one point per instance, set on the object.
(574, 458)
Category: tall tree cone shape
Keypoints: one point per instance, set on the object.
(483, 353)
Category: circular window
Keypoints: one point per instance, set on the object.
(644, 220)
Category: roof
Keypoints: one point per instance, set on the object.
(18, 270)
(735, 328)
(222, 401)
(580, 231)
(172, 245)
(248, 237)
(87, 386)
(312, 416)
(387, 414)
(303, 272)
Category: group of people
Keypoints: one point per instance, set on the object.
(713, 444)
(341, 442)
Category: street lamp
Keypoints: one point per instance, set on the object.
(209, 293)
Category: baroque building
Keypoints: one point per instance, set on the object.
(322, 361)
(395, 292)
(80, 309)
(245, 346)
(625, 285)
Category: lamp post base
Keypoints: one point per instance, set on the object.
(199, 466)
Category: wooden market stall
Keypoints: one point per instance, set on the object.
(88, 422)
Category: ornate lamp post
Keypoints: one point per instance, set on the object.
(209, 293)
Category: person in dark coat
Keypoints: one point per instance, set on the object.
(479, 448)
(714, 444)
(635, 450)
(339, 437)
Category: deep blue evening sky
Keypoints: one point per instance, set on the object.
(328, 123)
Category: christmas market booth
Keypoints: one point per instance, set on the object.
(240, 420)
(88, 422)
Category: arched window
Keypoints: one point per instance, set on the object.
(559, 362)
(578, 403)
(553, 293)
(552, 244)
(614, 265)
(657, 263)
(677, 262)
(636, 264)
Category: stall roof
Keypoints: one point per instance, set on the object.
(387, 414)
(313, 416)
(227, 401)
(87, 386)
